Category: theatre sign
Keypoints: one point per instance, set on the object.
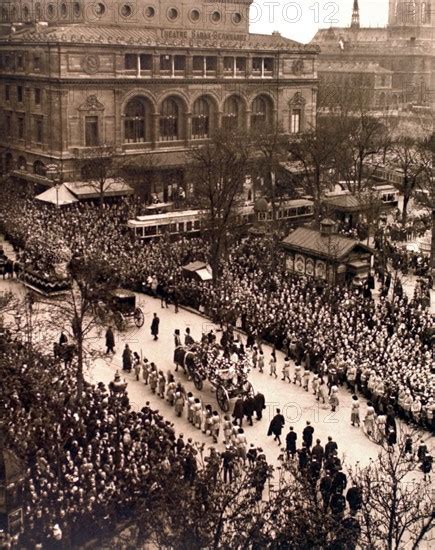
(212, 36)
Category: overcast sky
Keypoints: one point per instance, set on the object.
(300, 19)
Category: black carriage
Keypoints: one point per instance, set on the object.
(121, 307)
(194, 362)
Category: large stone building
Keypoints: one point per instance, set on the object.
(148, 77)
(403, 52)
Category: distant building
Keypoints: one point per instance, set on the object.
(150, 78)
(405, 49)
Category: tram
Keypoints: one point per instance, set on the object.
(190, 222)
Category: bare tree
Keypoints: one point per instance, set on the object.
(316, 151)
(414, 160)
(397, 509)
(218, 171)
(100, 170)
(271, 146)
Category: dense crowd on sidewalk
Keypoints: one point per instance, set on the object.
(382, 347)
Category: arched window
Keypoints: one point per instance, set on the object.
(261, 113)
(201, 119)
(5, 14)
(39, 168)
(231, 118)
(38, 12)
(136, 123)
(26, 14)
(169, 120)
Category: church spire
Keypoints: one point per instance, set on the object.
(355, 15)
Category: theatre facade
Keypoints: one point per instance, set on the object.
(144, 79)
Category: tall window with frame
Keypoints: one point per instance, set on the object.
(38, 130)
(169, 120)
(91, 131)
(231, 114)
(135, 130)
(295, 121)
(8, 124)
(21, 127)
(259, 114)
(201, 119)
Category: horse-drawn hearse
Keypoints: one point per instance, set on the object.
(120, 308)
(228, 378)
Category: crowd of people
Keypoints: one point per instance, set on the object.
(383, 344)
(89, 463)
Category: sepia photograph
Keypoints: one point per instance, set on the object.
(217, 261)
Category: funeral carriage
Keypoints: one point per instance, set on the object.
(228, 378)
(120, 308)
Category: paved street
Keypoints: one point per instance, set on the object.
(297, 405)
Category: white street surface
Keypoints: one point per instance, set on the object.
(296, 404)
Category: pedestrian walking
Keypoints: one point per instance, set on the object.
(249, 408)
(276, 426)
(110, 341)
(238, 412)
(215, 426)
(298, 375)
(137, 365)
(145, 370)
(286, 370)
(354, 415)
(126, 359)
(333, 398)
(259, 405)
(307, 435)
(260, 361)
(179, 402)
(272, 365)
(305, 378)
(291, 439)
(155, 326)
(190, 404)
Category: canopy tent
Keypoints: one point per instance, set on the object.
(199, 270)
(60, 196)
(88, 190)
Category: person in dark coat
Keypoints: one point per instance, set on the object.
(325, 490)
(304, 457)
(330, 447)
(338, 504)
(354, 498)
(276, 426)
(307, 435)
(249, 408)
(155, 327)
(318, 452)
(110, 341)
(239, 411)
(126, 359)
(259, 405)
(291, 443)
(339, 482)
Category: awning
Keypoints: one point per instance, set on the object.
(89, 190)
(60, 196)
(32, 178)
(204, 274)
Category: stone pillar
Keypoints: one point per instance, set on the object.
(189, 66)
(220, 66)
(27, 117)
(156, 65)
(188, 127)
(155, 129)
(119, 120)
